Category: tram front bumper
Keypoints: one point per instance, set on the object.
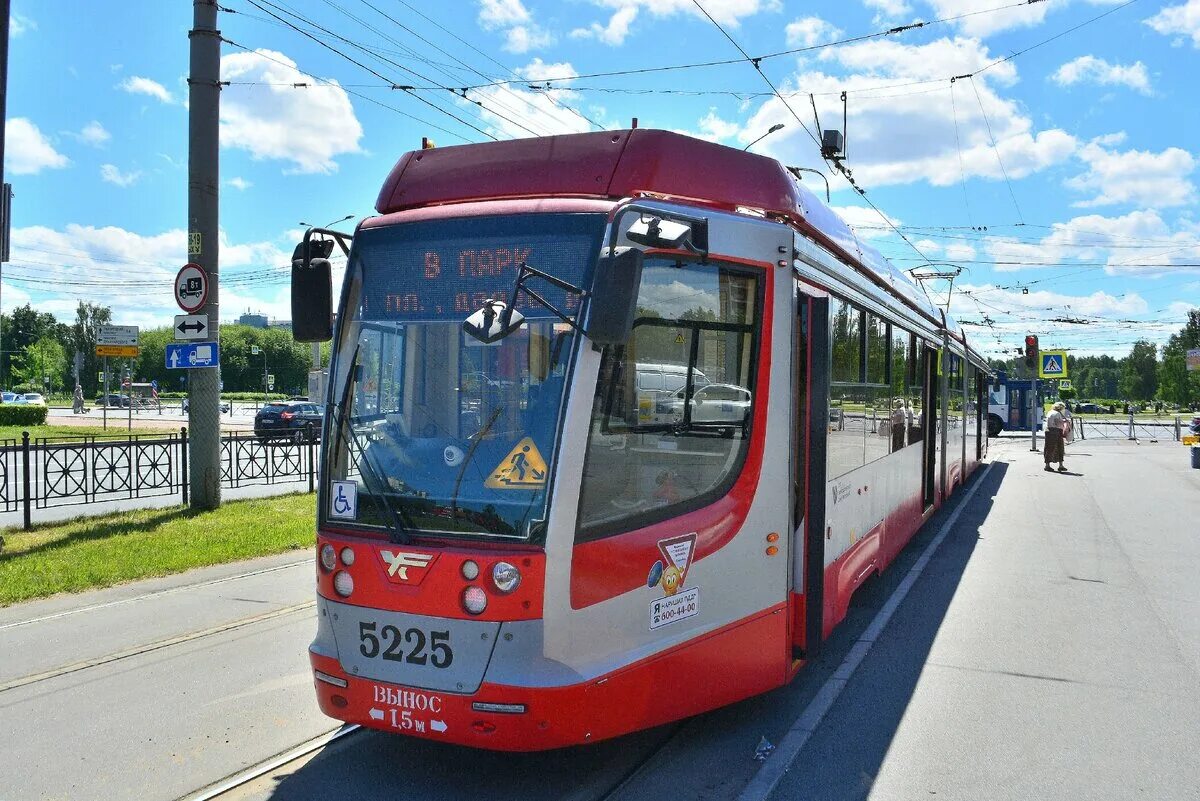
(494, 718)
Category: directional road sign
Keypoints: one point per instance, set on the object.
(189, 355)
(1052, 364)
(123, 351)
(117, 335)
(191, 288)
(191, 326)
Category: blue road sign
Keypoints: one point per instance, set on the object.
(189, 355)
(154, 383)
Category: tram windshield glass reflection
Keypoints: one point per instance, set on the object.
(438, 431)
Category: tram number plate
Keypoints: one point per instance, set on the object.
(684, 604)
(411, 645)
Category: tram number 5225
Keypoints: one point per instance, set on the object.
(390, 643)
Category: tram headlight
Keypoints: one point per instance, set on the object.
(506, 577)
(343, 583)
(328, 557)
(347, 556)
(474, 600)
(470, 570)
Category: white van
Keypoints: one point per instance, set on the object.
(659, 381)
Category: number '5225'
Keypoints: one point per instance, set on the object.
(395, 642)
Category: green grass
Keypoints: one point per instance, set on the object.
(36, 432)
(86, 553)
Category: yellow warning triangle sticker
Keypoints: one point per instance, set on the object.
(522, 468)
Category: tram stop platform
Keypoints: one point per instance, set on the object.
(1039, 639)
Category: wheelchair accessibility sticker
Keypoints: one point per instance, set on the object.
(344, 501)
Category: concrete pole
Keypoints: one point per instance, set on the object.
(204, 396)
(4, 14)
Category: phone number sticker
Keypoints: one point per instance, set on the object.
(673, 608)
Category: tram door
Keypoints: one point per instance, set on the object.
(931, 414)
(810, 422)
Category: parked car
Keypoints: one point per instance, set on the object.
(1091, 408)
(7, 397)
(297, 419)
(113, 401)
(225, 406)
(30, 399)
(713, 403)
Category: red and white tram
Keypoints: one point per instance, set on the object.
(643, 485)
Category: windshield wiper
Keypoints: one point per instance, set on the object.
(467, 460)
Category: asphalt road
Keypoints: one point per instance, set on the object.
(1049, 650)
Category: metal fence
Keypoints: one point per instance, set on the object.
(40, 473)
(1169, 429)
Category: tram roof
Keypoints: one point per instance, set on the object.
(639, 162)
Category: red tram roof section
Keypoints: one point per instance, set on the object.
(640, 162)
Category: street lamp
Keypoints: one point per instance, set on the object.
(776, 127)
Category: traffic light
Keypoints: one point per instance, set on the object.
(1031, 352)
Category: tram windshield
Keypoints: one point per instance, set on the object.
(431, 430)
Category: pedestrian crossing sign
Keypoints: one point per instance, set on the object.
(522, 468)
(1053, 364)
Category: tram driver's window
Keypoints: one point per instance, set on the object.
(671, 417)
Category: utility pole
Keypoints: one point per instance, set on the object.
(204, 396)
(4, 14)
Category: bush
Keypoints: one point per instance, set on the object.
(20, 415)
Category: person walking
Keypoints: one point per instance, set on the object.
(1056, 422)
(77, 406)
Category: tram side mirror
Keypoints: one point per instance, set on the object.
(493, 322)
(312, 291)
(614, 297)
(659, 232)
(996, 383)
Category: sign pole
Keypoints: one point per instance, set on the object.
(105, 393)
(129, 380)
(1033, 416)
(204, 396)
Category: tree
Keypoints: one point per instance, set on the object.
(1176, 383)
(44, 358)
(1139, 375)
(88, 319)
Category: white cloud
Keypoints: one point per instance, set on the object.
(137, 85)
(888, 9)
(900, 141)
(93, 134)
(866, 221)
(1089, 69)
(1182, 20)
(1098, 303)
(728, 13)
(307, 127)
(982, 25)
(241, 184)
(27, 151)
(548, 111)
(521, 32)
(810, 31)
(113, 175)
(1152, 180)
(19, 25)
(714, 129)
(141, 268)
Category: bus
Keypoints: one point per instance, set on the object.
(511, 554)
(1008, 405)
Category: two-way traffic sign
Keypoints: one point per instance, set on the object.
(191, 326)
(190, 355)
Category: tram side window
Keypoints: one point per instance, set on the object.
(860, 394)
(651, 456)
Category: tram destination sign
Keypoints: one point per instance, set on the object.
(443, 271)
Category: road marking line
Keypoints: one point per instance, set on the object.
(155, 594)
(154, 646)
(253, 772)
(773, 770)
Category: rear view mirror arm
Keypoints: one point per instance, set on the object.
(524, 273)
(340, 237)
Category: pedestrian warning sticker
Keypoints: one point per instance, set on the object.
(523, 468)
(1053, 364)
(679, 339)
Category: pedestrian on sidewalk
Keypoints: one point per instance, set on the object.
(77, 406)
(1056, 422)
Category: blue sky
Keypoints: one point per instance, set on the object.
(1087, 139)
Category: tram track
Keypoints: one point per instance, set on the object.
(157, 645)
